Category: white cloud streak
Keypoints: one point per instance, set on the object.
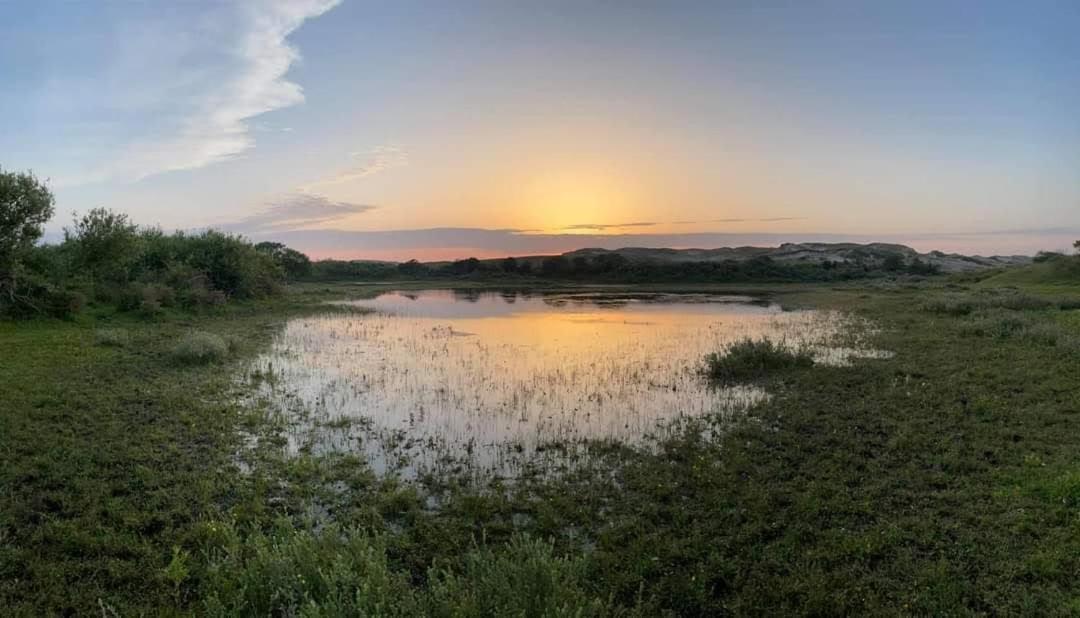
(369, 163)
(296, 212)
(242, 79)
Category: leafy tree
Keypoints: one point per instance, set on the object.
(25, 205)
(1076, 245)
(509, 265)
(294, 264)
(105, 243)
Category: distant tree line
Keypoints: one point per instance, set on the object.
(613, 267)
(106, 259)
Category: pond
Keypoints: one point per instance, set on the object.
(488, 381)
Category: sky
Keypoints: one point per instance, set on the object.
(438, 130)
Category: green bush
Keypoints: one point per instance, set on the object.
(200, 348)
(749, 360)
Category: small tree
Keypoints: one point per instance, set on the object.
(25, 205)
(294, 264)
(1076, 245)
(106, 243)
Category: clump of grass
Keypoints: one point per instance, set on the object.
(112, 337)
(1003, 324)
(966, 304)
(995, 324)
(200, 348)
(754, 359)
(292, 571)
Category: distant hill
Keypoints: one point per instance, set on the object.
(873, 255)
(1056, 271)
(788, 262)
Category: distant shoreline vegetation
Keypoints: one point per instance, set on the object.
(613, 267)
(106, 260)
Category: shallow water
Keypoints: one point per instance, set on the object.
(488, 380)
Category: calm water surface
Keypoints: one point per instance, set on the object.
(487, 380)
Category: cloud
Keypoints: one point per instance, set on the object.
(614, 226)
(296, 212)
(224, 69)
(608, 226)
(370, 163)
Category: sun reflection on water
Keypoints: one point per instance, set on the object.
(488, 380)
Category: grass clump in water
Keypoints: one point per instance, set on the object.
(754, 359)
(200, 348)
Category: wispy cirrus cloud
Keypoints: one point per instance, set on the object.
(367, 163)
(200, 83)
(296, 212)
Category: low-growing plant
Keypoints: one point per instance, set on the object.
(967, 304)
(113, 337)
(200, 348)
(754, 359)
(995, 323)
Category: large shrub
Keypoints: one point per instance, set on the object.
(25, 205)
(103, 244)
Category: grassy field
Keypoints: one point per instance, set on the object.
(943, 480)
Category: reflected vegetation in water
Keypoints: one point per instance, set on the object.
(488, 381)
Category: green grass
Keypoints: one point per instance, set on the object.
(1057, 276)
(941, 481)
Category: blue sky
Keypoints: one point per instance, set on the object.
(441, 129)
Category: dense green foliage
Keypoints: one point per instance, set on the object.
(107, 260)
(25, 205)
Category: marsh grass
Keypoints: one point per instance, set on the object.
(966, 304)
(1025, 326)
(942, 481)
(750, 360)
(201, 348)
